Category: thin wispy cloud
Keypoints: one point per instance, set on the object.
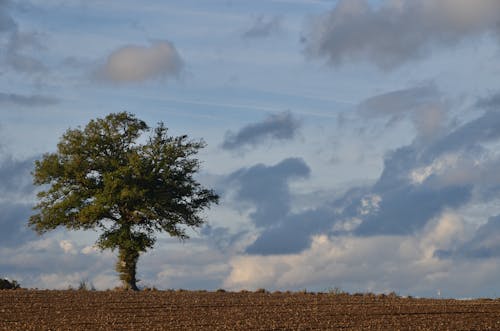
(13, 99)
(263, 27)
(423, 105)
(251, 108)
(398, 102)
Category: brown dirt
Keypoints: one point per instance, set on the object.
(183, 310)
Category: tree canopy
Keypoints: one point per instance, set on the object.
(111, 177)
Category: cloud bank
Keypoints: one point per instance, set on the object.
(396, 32)
(405, 264)
(405, 231)
(132, 63)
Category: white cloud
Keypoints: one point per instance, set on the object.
(52, 262)
(172, 273)
(90, 250)
(61, 281)
(198, 265)
(138, 63)
(437, 167)
(67, 246)
(40, 244)
(348, 225)
(370, 204)
(105, 281)
(465, 168)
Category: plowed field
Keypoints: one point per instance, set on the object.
(183, 310)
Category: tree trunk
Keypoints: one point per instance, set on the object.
(127, 266)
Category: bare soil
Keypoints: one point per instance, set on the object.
(186, 310)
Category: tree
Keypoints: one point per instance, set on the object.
(103, 178)
(6, 284)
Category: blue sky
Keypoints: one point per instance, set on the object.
(354, 143)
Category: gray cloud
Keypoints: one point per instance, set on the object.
(422, 105)
(16, 194)
(398, 102)
(221, 238)
(26, 64)
(419, 183)
(484, 244)
(396, 32)
(283, 126)
(15, 176)
(20, 45)
(491, 102)
(263, 27)
(469, 136)
(13, 99)
(13, 221)
(133, 63)
(74, 62)
(7, 23)
(266, 187)
(398, 204)
(405, 210)
(266, 191)
(293, 233)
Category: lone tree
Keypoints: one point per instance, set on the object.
(103, 177)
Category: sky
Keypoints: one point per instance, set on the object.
(354, 143)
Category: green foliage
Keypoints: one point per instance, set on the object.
(101, 177)
(86, 286)
(6, 284)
